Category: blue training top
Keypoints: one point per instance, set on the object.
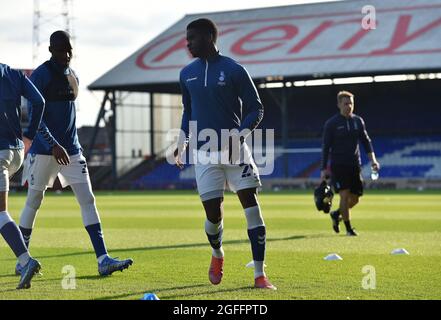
(341, 137)
(13, 85)
(218, 93)
(59, 119)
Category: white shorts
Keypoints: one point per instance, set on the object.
(213, 178)
(10, 161)
(40, 171)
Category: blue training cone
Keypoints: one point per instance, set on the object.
(150, 296)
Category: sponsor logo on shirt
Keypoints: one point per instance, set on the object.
(221, 81)
(192, 79)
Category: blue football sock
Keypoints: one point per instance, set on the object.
(215, 239)
(258, 241)
(96, 236)
(26, 235)
(13, 237)
(214, 233)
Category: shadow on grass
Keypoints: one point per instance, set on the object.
(10, 290)
(181, 246)
(175, 296)
(204, 293)
(156, 291)
(94, 277)
(38, 279)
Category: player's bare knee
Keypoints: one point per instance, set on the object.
(213, 209)
(344, 197)
(354, 201)
(3, 201)
(213, 217)
(248, 197)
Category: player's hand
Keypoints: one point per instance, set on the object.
(324, 174)
(60, 155)
(27, 145)
(234, 144)
(178, 159)
(375, 166)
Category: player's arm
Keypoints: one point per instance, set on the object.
(374, 163)
(184, 135)
(252, 105)
(41, 80)
(367, 144)
(253, 111)
(60, 154)
(31, 93)
(326, 146)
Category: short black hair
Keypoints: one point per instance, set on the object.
(61, 39)
(205, 25)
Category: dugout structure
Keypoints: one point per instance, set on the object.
(299, 56)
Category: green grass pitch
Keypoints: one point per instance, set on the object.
(163, 232)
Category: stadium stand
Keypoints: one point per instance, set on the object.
(406, 138)
(417, 157)
(402, 116)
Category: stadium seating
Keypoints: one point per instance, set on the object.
(417, 157)
(409, 158)
(166, 176)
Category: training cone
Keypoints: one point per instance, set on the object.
(251, 264)
(399, 251)
(332, 256)
(150, 296)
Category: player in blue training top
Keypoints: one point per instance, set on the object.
(14, 85)
(341, 137)
(218, 94)
(56, 151)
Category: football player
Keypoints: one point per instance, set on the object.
(56, 151)
(13, 85)
(341, 137)
(218, 93)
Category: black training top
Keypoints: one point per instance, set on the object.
(341, 137)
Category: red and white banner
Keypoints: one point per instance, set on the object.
(301, 40)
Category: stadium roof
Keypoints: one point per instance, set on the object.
(296, 42)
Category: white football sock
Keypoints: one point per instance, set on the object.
(212, 229)
(258, 269)
(29, 213)
(218, 253)
(23, 259)
(101, 258)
